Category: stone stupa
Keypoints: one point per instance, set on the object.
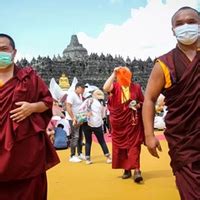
(75, 50)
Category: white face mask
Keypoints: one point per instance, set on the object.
(187, 34)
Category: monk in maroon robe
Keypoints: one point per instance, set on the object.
(124, 104)
(177, 75)
(25, 111)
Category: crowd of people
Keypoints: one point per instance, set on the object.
(28, 124)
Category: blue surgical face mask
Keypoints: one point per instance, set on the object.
(187, 34)
(6, 59)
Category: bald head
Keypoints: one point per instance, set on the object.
(185, 15)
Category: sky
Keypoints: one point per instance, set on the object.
(130, 28)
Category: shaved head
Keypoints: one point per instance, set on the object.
(184, 9)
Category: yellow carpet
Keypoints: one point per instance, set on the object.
(78, 181)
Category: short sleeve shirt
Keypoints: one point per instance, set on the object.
(75, 100)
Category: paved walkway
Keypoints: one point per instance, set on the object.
(78, 181)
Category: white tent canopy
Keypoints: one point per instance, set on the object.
(59, 95)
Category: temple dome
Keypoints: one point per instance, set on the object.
(75, 50)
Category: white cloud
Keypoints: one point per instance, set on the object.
(146, 33)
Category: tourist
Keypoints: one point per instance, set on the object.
(124, 103)
(106, 123)
(73, 103)
(60, 137)
(160, 113)
(176, 75)
(25, 149)
(94, 124)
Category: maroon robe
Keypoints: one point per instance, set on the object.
(188, 181)
(25, 149)
(127, 136)
(183, 116)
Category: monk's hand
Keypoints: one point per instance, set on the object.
(116, 69)
(24, 110)
(153, 144)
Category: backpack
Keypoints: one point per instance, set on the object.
(60, 138)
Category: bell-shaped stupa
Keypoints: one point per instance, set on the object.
(75, 50)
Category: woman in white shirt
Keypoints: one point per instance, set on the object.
(94, 124)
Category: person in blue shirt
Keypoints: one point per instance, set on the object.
(60, 137)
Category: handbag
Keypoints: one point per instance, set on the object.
(81, 117)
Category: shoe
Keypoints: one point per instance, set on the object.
(88, 162)
(81, 157)
(137, 177)
(127, 174)
(109, 161)
(74, 159)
